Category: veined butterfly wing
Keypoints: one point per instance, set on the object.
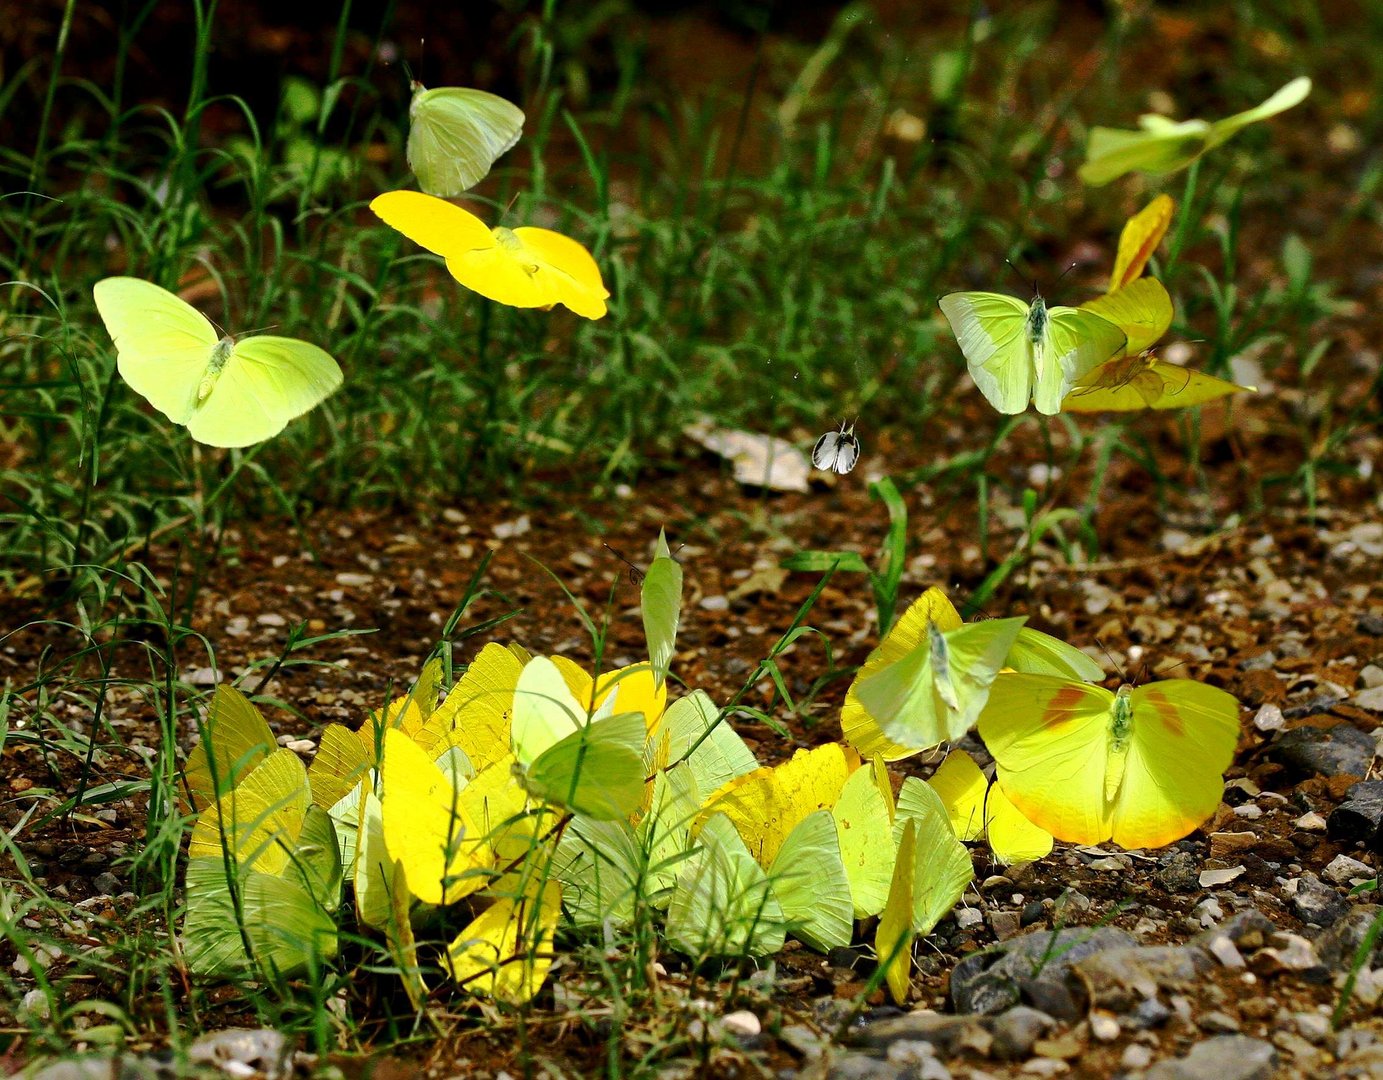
(809, 881)
(267, 382)
(1075, 341)
(1144, 382)
(456, 134)
(162, 343)
(1184, 734)
(1142, 310)
(1138, 240)
(990, 329)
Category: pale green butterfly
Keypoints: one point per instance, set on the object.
(1165, 145)
(1017, 351)
(935, 693)
(226, 392)
(456, 134)
(593, 765)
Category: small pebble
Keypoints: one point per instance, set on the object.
(1344, 870)
(742, 1024)
(1136, 1056)
(1103, 1026)
(1225, 951)
(1218, 1023)
(968, 917)
(1310, 822)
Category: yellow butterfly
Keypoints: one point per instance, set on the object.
(1145, 382)
(525, 267)
(1143, 766)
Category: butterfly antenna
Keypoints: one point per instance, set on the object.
(1160, 672)
(1062, 278)
(1112, 662)
(636, 575)
(1018, 274)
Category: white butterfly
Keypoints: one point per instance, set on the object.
(837, 451)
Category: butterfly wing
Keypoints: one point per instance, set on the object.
(163, 344)
(942, 867)
(860, 729)
(1162, 147)
(455, 136)
(1075, 342)
(266, 382)
(597, 770)
(989, 327)
(1141, 309)
(1012, 837)
(1291, 95)
(1139, 239)
(1144, 382)
(826, 450)
(864, 828)
(894, 936)
(809, 881)
(1050, 739)
(565, 271)
(236, 739)
(1183, 739)
(1041, 654)
(961, 786)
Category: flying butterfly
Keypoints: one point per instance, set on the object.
(456, 134)
(226, 392)
(837, 451)
(525, 267)
(1164, 145)
(1019, 352)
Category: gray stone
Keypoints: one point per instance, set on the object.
(1359, 818)
(991, 981)
(945, 1032)
(1148, 1014)
(859, 1067)
(260, 1049)
(107, 884)
(1342, 750)
(1179, 872)
(1218, 1023)
(104, 1067)
(1051, 997)
(1290, 954)
(1226, 1057)
(1337, 946)
(1118, 979)
(1016, 1029)
(1316, 903)
(1371, 623)
(1247, 929)
(1345, 871)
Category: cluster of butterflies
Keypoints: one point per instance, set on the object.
(234, 392)
(532, 793)
(1096, 357)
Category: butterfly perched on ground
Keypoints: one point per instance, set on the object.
(456, 134)
(1143, 765)
(226, 392)
(524, 267)
(1019, 352)
(1165, 145)
(837, 451)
